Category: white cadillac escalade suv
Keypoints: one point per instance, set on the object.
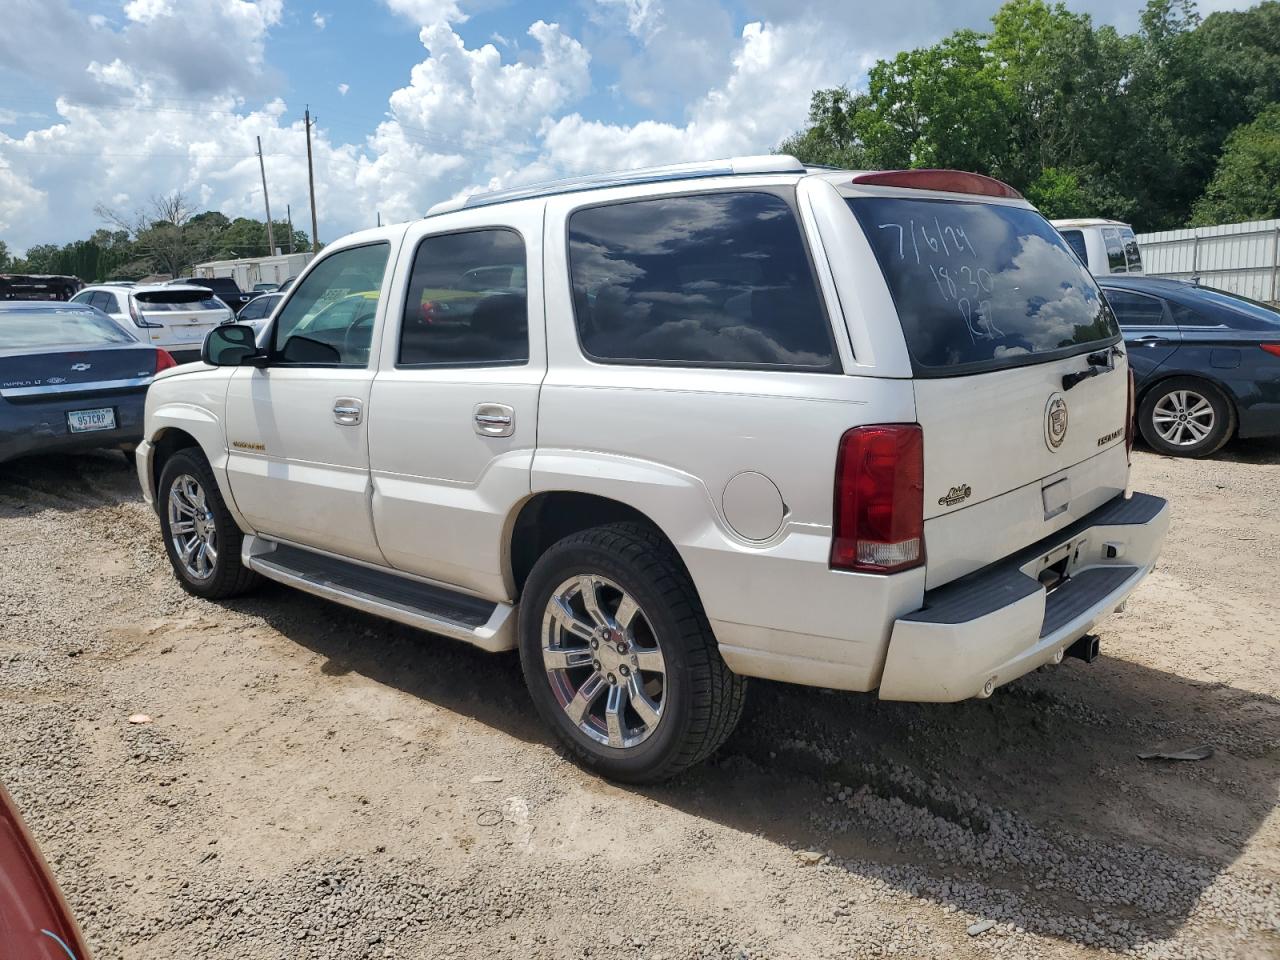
(670, 429)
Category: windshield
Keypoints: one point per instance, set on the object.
(74, 326)
(981, 286)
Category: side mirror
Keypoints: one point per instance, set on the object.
(229, 345)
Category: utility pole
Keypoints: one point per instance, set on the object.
(311, 181)
(288, 212)
(271, 240)
(379, 218)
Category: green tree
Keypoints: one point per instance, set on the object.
(830, 139)
(4, 256)
(1246, 183)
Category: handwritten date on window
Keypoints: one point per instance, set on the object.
(943, 248)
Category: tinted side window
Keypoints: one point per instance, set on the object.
(329, 318)
(1075, 240)
(1132, 256)
(1116, 261)
(106, 302)
(1136, 310)
(720, 279)
(467, 301)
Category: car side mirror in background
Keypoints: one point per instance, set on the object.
(229, 345)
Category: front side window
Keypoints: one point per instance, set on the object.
(1136, 310)
(982, 286)
(467, 302)
(329, 319)
(1075, 240)
(717, 279)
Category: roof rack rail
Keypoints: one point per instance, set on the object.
(732, 166)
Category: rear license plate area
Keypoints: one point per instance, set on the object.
(1054, 567)
(88, 421)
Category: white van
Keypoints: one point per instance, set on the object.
(1105, 246)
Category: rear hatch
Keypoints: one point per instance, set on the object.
(188, 313)
(1000, 320)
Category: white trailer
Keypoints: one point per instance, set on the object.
(250, 271)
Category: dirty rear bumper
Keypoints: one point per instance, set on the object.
(1000, 622)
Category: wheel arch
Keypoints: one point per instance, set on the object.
(549, 516)
(166, 442)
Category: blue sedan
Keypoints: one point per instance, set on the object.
(1206, 363)
(70, 378)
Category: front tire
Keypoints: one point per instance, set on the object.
(200, 536)
(1186, 417)
(619, 658)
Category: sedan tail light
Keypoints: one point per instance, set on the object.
(879, 499)
(1271, 348)
(164, 360)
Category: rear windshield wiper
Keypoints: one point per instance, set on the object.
(1101, 362)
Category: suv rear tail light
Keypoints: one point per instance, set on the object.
(1271, 348)
(1129, 413)
(136, 315)
(879, 499)
(164, 360)
(950, 181)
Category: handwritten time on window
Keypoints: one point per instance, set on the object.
(943, 248)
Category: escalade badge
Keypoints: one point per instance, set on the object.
(1055, 421)
(956, 495)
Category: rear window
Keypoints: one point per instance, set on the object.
(1132, 256)
(982, 286)
(716, 279)
(1117, 262)
(173, 301)
(1245, 314)
(1075, 240)
(72, 327)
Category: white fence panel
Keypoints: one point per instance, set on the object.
(1242, 258)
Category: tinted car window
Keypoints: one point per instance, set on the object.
(467, 301)
(258, 308)
(719, 279)
(106, 302)
(982, 285)
(1132, 256)
(1075, 240)
(1136, 309)
(1236, 311)
(329, 318)
(1116, 261)
(73, 326)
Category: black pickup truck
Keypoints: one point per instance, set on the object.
(224, 287)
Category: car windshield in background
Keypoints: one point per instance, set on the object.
(981, 286)
(72, 327)
(173, 301)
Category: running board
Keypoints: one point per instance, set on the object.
(384, 593)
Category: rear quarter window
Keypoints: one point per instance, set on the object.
(982, 286)
(716, 279)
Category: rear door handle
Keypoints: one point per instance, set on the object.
(348, 411)
(494, 420)
(1151, 340)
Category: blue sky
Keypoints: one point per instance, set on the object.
(113, 102)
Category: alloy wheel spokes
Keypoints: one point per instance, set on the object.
(192, 529)
(1183, 418)
(603, 661)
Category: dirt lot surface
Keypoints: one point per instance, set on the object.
(318, 783)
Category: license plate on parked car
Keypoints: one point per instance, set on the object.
(84, 421)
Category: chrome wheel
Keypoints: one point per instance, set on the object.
(192, 529)
(1183, 418)
(603, 661)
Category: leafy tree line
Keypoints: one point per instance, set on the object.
(1176, 123)
(166, 237)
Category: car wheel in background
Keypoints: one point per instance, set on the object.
(619, 657)
(201, 538)
(1186, 417)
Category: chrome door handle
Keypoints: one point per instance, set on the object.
(348, 411)
(1151, 340)
(494, 420)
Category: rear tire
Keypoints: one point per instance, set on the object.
(619, 657)
(1186, 417)
(200, 536)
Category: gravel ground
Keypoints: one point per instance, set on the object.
(317, 783)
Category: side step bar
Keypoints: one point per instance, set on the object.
(384, 593)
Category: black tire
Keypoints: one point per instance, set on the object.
(228, 576)
(1163, 400)
(702, 698)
